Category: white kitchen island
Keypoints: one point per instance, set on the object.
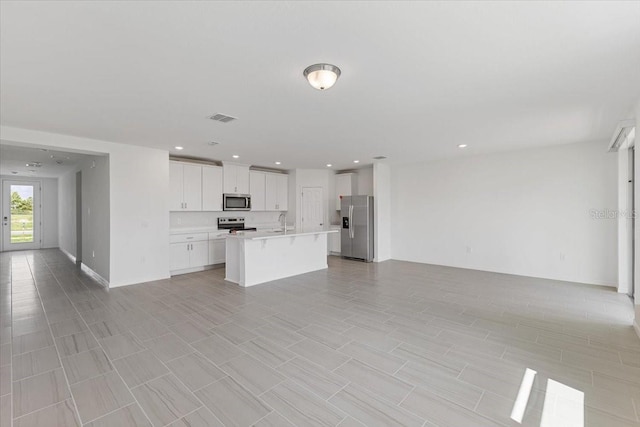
(257, 257)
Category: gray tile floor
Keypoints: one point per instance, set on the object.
(384, 344)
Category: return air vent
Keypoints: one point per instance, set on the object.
(223, 118)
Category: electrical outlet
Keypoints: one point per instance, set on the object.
(179, 221)
(562, 256)
(469, 249)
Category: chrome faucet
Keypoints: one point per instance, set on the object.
(282, 216)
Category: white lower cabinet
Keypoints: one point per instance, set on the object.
(195, 250)
(333, 240)
(179, 256)
(189, 250)
(217, 251)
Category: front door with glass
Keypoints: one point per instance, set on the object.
(20, 215)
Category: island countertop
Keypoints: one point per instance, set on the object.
(264, 235)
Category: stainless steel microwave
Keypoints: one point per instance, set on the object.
(236, 202)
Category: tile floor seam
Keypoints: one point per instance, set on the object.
(113, 370)
(77, 413)
(407, 395)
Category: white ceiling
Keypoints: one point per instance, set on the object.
(418, 78)
(14, 159)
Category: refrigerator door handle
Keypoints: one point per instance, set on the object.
(351, 234)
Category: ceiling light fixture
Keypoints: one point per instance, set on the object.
(179, 148)
(321, 76)
(329, 165)
(235, 156)
(462, 145)
(277, 163)
(356, 161)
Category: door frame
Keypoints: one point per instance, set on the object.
(37, 212)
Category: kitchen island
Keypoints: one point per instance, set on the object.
(258, 257)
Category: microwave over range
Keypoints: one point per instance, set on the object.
(236, 202)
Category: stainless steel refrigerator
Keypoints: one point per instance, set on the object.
(356, 234)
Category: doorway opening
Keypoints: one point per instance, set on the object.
(21, 215)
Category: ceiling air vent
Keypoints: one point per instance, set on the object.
(223, 118)
(379, 158)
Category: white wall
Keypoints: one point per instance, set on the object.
(67, 213)
(523, 212)
(138, 202)
(95, 215)
(636, 197)
(382, 211)
(210, 219)
(49, 197)
(49, 213)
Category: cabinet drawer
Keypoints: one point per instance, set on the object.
(192, 237)
(218, 235)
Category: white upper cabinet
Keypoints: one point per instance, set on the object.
(346, 185)
(276, 192)
(282, 182)
(211, 188)
(192, 187)
(257, 190)
(236, 178)
(176, 186)
(185, 187)
(271, 193)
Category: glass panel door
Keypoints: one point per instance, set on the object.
(20, 216)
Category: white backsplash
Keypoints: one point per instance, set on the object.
(210, 219)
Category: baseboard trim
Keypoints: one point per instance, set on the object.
(636, 326)
(98, 278)
(71, 257)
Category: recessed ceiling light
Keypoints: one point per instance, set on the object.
(179, 148)
(356, 161)
(277, 163)
(462, 145)
(235, 156)
(329, 165)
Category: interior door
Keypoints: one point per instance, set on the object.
(312, 209)
(20, 215)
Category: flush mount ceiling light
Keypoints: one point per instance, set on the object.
(278, 163)
(322, 76)
(462, 145)
(329, 165)
(179, 148)
(356, 161)
(235, 156)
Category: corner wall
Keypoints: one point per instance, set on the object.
(138, 208)
(525, 212)
(67, 213)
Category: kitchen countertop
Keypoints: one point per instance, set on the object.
(264, 235)
(214, 229)
(186, 230)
